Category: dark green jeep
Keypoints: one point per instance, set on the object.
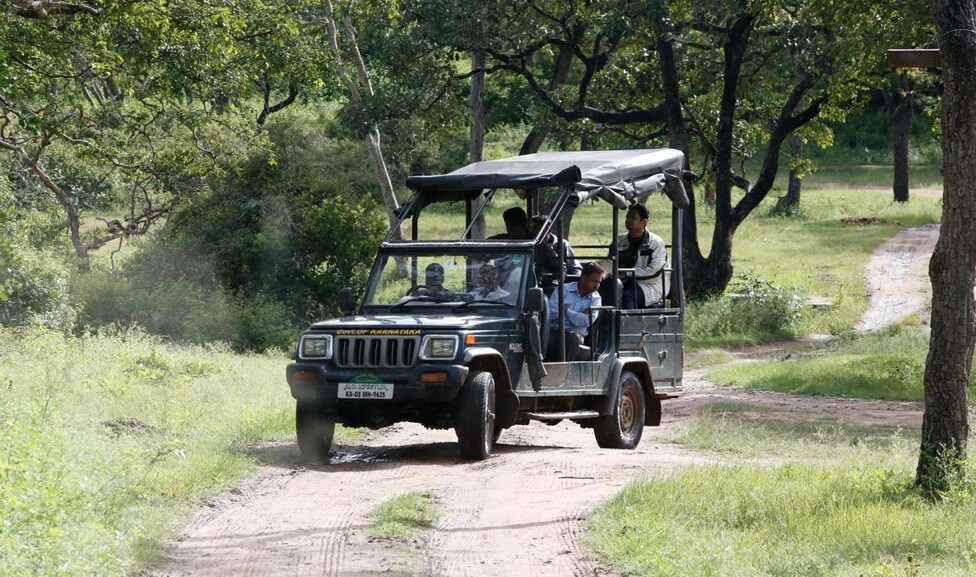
(465, 333)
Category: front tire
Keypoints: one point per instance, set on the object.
(623, 428)
(476, 417)
(314, 430)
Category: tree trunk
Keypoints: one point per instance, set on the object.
(945, 424)
(70, 210)
(356, 93)
(791, 202)
(477, 151)
(711, 275)
(900, 116)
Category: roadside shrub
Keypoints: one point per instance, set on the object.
(751, 310)
(264, 325)
(289, 226)
(166, 290)
(33, 276)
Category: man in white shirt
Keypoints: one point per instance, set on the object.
(645, 253)
(488, 289)
(579, 310)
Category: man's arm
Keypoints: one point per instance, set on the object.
(572, 265)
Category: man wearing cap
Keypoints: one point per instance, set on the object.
(434, 279)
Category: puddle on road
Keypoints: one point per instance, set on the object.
(365, 458)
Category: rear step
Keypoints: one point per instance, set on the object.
(563, 415)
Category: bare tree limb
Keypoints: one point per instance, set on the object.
(43, 9)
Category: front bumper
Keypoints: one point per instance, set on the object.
(320, 383)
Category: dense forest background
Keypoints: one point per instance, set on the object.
(215, 171)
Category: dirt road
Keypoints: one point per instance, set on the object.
(520, 513)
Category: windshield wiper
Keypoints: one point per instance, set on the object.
(472, 303)
(419, 298)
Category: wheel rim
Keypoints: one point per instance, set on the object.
(628, 412)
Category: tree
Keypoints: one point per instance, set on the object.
(360, 86)
(945, 424)
(115, 104)
(727, 80)
(891, 24)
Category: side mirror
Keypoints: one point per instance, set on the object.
(535, 299)
(347, 302)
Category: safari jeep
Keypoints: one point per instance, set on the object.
(423, 346)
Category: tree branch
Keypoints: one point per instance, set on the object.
(43, 9)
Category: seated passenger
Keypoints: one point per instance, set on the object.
(516, 225)
(548, 263)
(645, 253)
(579, 309)
(488, 289)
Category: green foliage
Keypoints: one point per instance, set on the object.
(264, 253)
(106, 442)
(171, 291)
(751, 310)
(33, 276)
(166, 302)
(289, 227)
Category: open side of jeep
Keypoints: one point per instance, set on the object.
(426, 346)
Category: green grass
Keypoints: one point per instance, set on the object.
(755, 431)
(842, 505)
(794, 520)
(886, 365)
(928, 176)
(107, 441)
(404, 516)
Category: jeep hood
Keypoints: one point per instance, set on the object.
(393, 323)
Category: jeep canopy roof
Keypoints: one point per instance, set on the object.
(616, 176)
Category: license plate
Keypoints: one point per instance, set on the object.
(365, 390)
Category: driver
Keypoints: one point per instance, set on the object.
(434, 279)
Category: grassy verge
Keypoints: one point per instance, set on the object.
(107, 441)
(854, 514)
(885, 365)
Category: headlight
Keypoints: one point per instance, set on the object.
(315, 347)
(438, 347)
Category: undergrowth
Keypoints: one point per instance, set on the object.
(106, 441)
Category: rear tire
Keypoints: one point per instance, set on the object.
(476, 417)
(314, 430)
(623, 428)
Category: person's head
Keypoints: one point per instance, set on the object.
(537, 222)
(636, 222)
(488, 276)
(590, 278)
(434, 277)
(516, 222)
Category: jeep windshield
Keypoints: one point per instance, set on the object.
(441, 278)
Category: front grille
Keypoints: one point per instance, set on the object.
(361, 352)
